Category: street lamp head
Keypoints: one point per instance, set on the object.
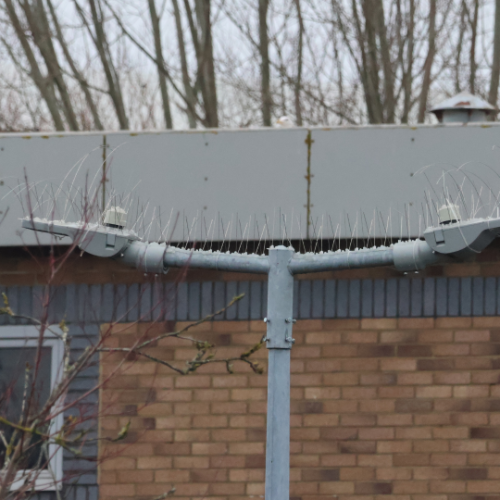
(115, 217)
(449, 213)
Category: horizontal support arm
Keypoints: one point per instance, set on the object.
(157, 258)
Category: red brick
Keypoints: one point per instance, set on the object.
(410, 487)
(340, 379)
(447, 486)
(230, 381)
(472, 336)
(359, 337)
(398, 446)
(483, 486)
(396, 392)
(486, 322)
(398, 337)
(341, 324)
(414, 378)
(398, 365)
(322, 338)
(154, 462)
(411, 459)
(379, 324)
(395, 419)
(471, 391)
(392, 473)
(416, 323)
(248, 394)
(436, 391)
(377, 405)
(118, 490)
(453, 322)
(414, 433)
(435, 336)
(209, 421)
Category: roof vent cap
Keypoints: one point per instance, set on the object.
(463, 108)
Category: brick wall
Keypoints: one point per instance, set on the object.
(406, 407)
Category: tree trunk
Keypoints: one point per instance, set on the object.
(385, 55)
(370, 11)
(458, 57)
(102, 47)
(203, 13)
(39, 26)
(426, 83)
(408, 73)
(265, 72)
(298, 80)
(155, 22)
(188, 90)
(473, 64)
(44, 85)
(495, 69)
(76, 73)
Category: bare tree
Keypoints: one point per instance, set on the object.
(97, 33)
(155, 23)
(495, 69)
(431, 50)
(267, 102)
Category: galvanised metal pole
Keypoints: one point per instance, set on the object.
(279, 342)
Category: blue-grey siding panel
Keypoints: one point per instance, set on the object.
(25, 297)
(342, 298)
(404, 298)
(354, 298)
(379, 298)
(296, 298)
(231, 293)
(441, 297)
(169, 301)
(416, 306)
(466, 296)
(318, 297)
(244, 303)
(133, 302)
(490, 296)
(182, 302)
(94, 301)
(194, 306)
(108, 302)
(366, 298)
(304, 299)
(255, 300)
(206, 298)
(121, 302)
(391, 297)
(145, 301)
(453, 296)
(219, 296)
(429, 297)
(330, 298)
(478, 296)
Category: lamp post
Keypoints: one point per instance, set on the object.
(452, 241)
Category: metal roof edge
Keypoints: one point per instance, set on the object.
(56, 135)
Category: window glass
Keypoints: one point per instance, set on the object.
(14, 380)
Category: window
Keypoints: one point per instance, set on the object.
(18, 345)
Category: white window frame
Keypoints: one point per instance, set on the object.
(27, 336)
